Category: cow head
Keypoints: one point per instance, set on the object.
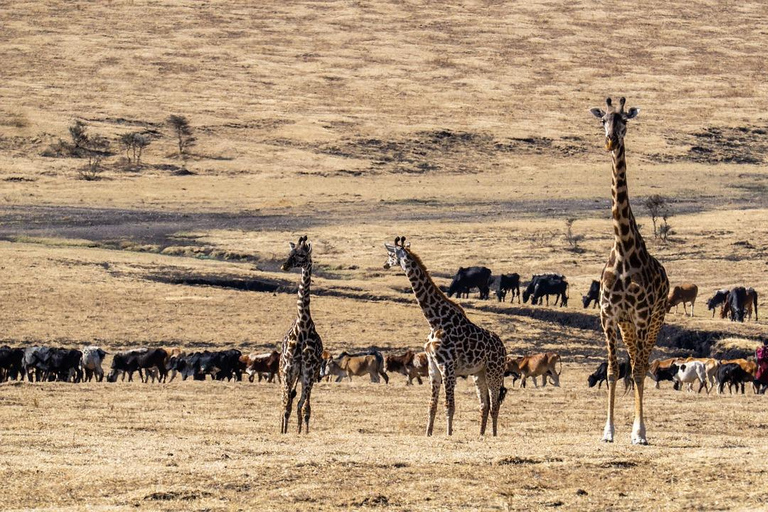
(300, 255)
(397, 254)
(585, 300)
(501, 294)
(615, 122)
(592, 379)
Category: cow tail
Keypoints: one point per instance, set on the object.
(502, 393)
(560, 360)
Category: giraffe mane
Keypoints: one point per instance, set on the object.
(442, 295)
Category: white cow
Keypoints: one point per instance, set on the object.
(92, 358)
(690, 372)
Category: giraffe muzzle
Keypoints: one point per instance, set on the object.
(610, 144)
(386, 266)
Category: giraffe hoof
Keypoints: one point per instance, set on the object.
(607, 439)
(640, 441)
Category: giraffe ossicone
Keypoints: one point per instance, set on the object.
(633, 285)
(455, 346)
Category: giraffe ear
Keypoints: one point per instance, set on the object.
(292, 245)
(389, 247)
(597, 112)
(632, 113)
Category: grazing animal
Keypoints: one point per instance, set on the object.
(91, 363)
(633, 285)
(737, 299)
(751, 302)
(732, 374)
(681, 294)
(536, 365)
(52, 364)
(507, 282)
(592, 295)
(370, 363)
(138, 360)
(302, 351)
(222, 364)
(11, 363)
(711, 366)
(690, 372)
(659, 370)
(749, 367)
(720, 298)
(406, 364)
(264, 364)
(601, 375)
(455, 345)
(546, 287)
(552, 280)
(468, 278)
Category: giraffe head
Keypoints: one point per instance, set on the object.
(615, 122)
(397, 253)
(300, 256)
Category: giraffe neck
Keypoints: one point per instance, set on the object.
(626, 235)
(437, 308)
(303, 301)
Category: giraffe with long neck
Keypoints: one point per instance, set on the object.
(634, 285)
(455, 345)
(302, 349)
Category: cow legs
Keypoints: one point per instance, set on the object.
(384, 376)
(481, 385)
(435, 381)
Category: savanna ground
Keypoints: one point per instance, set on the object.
(465, 128)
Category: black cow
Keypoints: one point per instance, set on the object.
(187, 365)
(468, 278)
(506, 282)
(601, 375)
(52, 364)
(11, 363)
(733, 375)
(531, 287)
(592, 295)
(132, 361)
(737, 299)
(665, 374)
(546, 287)
(719, 298)
(221, 365)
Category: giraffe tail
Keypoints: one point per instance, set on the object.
(502, 393)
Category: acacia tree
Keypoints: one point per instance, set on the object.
(182, 131)
(657, 207)
(134, 144)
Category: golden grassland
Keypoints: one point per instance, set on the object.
(465, 128)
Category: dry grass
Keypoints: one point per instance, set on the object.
(464, 127)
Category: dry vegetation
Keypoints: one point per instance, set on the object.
(464, 127)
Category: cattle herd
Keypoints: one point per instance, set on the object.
(737, 303)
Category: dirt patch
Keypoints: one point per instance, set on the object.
(522, 461)
(720, 145)
(223, 281)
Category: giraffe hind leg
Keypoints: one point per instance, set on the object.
(435, 381)
(449, 381)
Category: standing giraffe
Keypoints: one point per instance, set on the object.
(455, 345)
(302, 350)
(634, 285)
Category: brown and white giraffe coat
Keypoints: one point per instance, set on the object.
(455, 346)
(302, 350)
(634, 285)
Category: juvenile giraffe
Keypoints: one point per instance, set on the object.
(634, 285)
(302, 350)
(455, 345)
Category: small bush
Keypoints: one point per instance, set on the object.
(92, 170)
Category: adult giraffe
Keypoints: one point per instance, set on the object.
(302, 351)
(455, 346)
(634, 285)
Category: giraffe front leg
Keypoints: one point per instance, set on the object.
(435, 381)
(613, 367)
(449, 381)
(288, 394)
(481, 385)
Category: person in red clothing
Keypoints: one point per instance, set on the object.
(761, 358)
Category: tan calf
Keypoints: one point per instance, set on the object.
(358, 365)
(536, 365)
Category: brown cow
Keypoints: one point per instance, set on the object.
(404, 364)
(265, 365)
(344, 364)
(681, 294)
(659, 370)
(536, 365)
